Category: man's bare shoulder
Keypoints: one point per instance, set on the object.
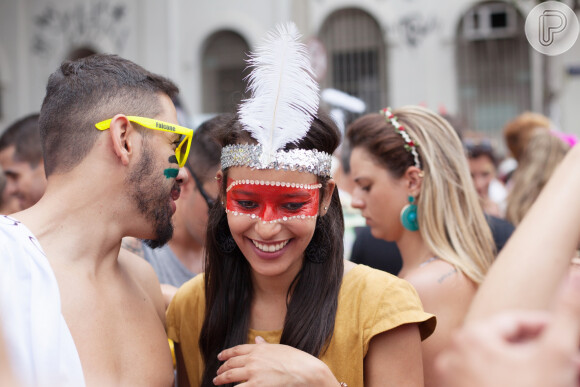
(143, 274)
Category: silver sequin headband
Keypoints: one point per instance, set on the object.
(301, 160)
(409, 143)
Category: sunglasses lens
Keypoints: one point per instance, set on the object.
(182, 150)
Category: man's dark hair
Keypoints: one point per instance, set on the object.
(204, 155)
(83, 92)
(24, 136)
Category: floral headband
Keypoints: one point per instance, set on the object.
(409, 143)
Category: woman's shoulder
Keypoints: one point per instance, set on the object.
(381, 300)
(438, 281)
(365, 278)
(194, 288)
(363, 285)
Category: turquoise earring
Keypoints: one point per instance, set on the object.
(409, 216)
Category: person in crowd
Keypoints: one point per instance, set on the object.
(277, 303)
(519, 130)
(21, 159)
(483, 167)
(83, 311)
(353, 220)
(520, 330)
(538, 161)
(8, 203)
(183, 257)
(414, 188)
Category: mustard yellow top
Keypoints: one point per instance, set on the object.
(369, 302)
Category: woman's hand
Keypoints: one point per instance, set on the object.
(264, 364)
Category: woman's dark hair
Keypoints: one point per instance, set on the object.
(313, 295)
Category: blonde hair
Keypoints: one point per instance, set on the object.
(539, 160)
(517, 132)
(451, 220)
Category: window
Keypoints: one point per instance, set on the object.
(223, 72)
(356, 56)
(493, 64)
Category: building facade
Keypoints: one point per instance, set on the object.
(467, 58)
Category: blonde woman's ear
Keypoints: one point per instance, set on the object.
(414, 178)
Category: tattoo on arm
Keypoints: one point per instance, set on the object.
(133, 245)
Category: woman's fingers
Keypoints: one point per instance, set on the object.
(231, 376)
(232, 363)
(238, 350)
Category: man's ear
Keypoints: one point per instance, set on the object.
(121, 132)
(414, 180)
(325, 203)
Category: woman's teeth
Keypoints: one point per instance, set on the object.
(270, 248)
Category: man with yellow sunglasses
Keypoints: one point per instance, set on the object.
(75, 309)
(182, 150)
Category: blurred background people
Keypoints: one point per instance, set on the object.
(21, 159)
(483, 165)
(519, 130)
(8, 203)
(413, 187)
(183, 257)
(543, 153)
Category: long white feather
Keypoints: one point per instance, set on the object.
(284, 95)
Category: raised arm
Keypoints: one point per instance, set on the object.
(529, 269)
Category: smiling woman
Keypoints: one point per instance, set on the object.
(276, 286)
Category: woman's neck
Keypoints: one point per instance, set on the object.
(270, 298)
(414, 252)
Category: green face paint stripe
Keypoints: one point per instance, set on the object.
(171, 173)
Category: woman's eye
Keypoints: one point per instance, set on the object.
(293, 206)
(366, 188)
(247, 204)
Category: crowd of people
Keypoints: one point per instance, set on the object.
(135, 251)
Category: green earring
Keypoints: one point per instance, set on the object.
(409, 216)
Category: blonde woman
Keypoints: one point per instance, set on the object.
(413, 186)
(539, 160)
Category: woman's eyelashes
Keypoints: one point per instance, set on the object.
(290, 206)
(247, 204)
(294, 206)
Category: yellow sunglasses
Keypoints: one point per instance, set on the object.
(181, 152)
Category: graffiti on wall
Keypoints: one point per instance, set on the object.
(415, 27)
(58, 28)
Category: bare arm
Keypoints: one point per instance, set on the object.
(529, 269)
(394, 357)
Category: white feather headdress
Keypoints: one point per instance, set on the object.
(283, 103)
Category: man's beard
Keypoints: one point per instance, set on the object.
(148, 191)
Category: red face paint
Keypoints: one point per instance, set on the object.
(272, 201)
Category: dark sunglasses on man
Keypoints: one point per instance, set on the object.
(208, 199)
